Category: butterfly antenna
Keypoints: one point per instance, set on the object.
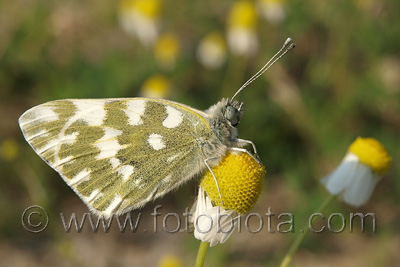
(287, 46)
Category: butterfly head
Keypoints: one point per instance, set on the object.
(223, 119)
(233, 112)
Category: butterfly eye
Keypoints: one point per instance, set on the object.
(232, 115)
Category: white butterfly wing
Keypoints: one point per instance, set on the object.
(118, 154)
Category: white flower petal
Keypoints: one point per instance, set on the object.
(361, 187)
(135, 24)
(242, 41)
(212, 224)
(352, 180)
(340, 178)
(272, 11)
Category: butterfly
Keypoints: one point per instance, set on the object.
(118, 154)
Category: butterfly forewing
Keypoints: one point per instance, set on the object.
(118, 154)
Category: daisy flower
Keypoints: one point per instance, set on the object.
(156, 86)
(212, 50)
(241, 28)
(166, 50)
(272, 10)
(9, 150)
(170, 261)
(361, 169)
(240, 180)
(140, 18)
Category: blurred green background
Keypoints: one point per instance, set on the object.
(341, 81)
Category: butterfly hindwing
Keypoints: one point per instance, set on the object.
(118, 154)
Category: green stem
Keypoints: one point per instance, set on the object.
(201, 255)
(302, 234)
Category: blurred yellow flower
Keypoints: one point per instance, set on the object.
(170, 261)
(389, 69)
(243, 14)
(241, 28)
(66, 249)
(156, 86)
(212, 50)
(139, 18)
(272, 10)
(240, 180)
(361, 169)
(9, 149)
(371, 6)
(167, 50)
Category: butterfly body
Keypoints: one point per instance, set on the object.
(118, 154)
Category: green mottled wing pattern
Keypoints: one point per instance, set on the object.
(118, 154)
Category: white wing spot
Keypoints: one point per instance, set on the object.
(155, 141)
(90, 111)
(174, 118)
(172, 158)
(108, 144)
(80, 177)
(93, 115)
(69, 139)
(56, 143)
(115, 162)
(167, 178)
(49, 145)
(39, 113)
(92, 195)
(138, 182)
(41, 133)
(134, 110)
(63, 161)
(126, 171)
(114, 204)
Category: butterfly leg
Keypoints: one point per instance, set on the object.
(215, 178)
(248, 142)
(245, 151)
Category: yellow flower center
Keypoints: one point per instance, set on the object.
(148, 8)
(167, 48)
(156, 86)
(9, 150)
(240, 179)
(215, 38)
(170, 261)
(243, 14)
(372, 153)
